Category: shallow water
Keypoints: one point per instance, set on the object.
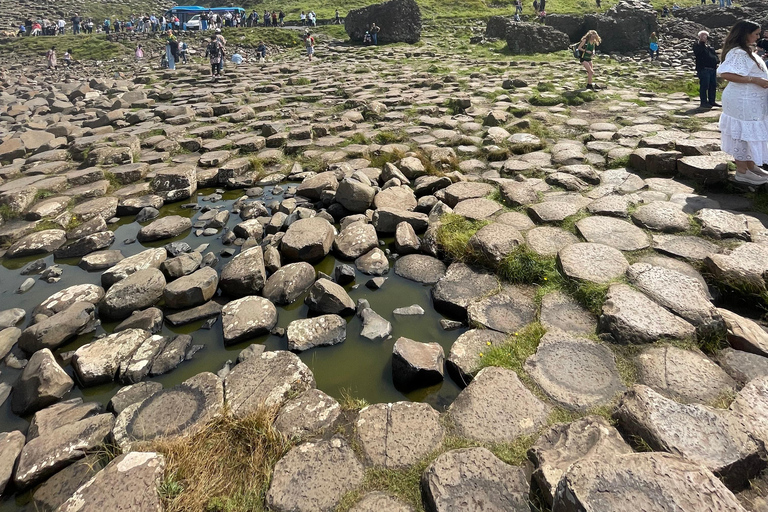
(357, 366)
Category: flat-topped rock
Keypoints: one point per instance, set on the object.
(713, 438)
(552, 211)
(688, 247)
(192, 290)
(63, 299)
(311, 412)
(596, 263)
(307, 240)
(576, 373)
(721, 224)
(166, 227)
(40, 242)
(377, 501)
(355, 240)
(314, 476)
(650, 481)
(474, 479)
(416, 365)
(59, 414)
(150, 258)
(465, 360)
(99, 361)
(547, 241)
(684, 375)
(613, 232)
(496, 407)
(495, 241)
(269, 379)
(631, 317)
(507, 311)
(420, 268)
(662, 216)
(566, 443)
(247, 318)
(742, 268)
(307, 333)
(385, 220)
(195, 402)
(398, 435)
(477, 209)
(139, 290)
(559, 311)
(460, 286)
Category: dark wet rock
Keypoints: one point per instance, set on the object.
(56, 330)
(166, 227)
(713, 438)
(288, 283)
(420, 268)
(171, 355)
(322, 472)
(595, 263)
(460, 286)
(742, 366)
(576, 373)
(133, 394)
(631, 317)
(375, 327)
(130, 478)
(201, 312)
(566, 443)
(654, 481)
(684, 375)
(507, 311)
(140, 290)
(474, 479)
(47, 454)
(559, 311)
(150, 258)
(42, 383)
(416, 365)
(327, 297)
(615, 233)
(407, 28)
(497, 407)
(11, 444)
(192, 290)
(247, 318)
(253, 350)
(397, 435)
(323, 330)
(99, 361)
(269, 379)
(344, 274)
(150, 319)
(355, 240)
(309, 413)
(196, 400)
(307, 240)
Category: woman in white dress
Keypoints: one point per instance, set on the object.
(744, 121)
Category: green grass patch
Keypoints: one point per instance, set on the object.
(545, 101)
(84, 47)
(524, 266)
(453, 236)
(513, 353)
(8, 213)
(251, 37)
(390, 137)
(590, 295)
(356, 138)
(615, 163)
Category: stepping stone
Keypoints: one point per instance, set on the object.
(495, 241)
(688, 247)
(465, 358)
(151, 258)
(41, 242)
(650, 481)
(563, 444)
(167, 227)
(378, 501)
(327, 297)
(497, 408)
(420, 268)
(45, 455)
(517, 220)
(416, 365)
(613, 232)
(464, 190)
(681, 294)
(310, 413)
(683, 375)
(130, 478)
(307, 240)
(324, 471)
(742, 366)
(373, 263)
(41, 383)
(477, 209)
(552, 211)
(100, 260)
(99, 362)
(59, 414)
(175, 184)
(54, 331)
(474, 479)
(745, 334)
(596, 263)
(751, 406)
(355, 240)
(547, 241)
(612, 205)
(289, 283)
(631, 317)
(461, 286)
(11, 444)
(244, 274)
(576, 373)
(195, 402)
(267, 380)
(247, 318)
(517, 193)
(507, 311)
(398, 435)
(743, 268)
(193, 290)
(713, 438)
(396, 197)
(319, 331)
(662, 216)
(720, 224)
(679, 266)
(559, 311)
(139, 290)
(386, 220)
(133, 394)
(705, 168)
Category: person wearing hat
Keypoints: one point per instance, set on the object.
(706, 69)
(223, 43)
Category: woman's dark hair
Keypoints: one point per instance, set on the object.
(737, 38)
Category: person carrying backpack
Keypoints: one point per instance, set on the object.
(309, 42)
(215, 52)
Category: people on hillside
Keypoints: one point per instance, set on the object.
(139, 52)
(587, 47)
(51, 58)
(223, 43)
(172, 49)
(374, 33)
(744, 121)
(68, 58)
(309, 44)
(706, 70)
(215, 52)
(75, 24)
(653, 46)
(261, 51)
(338, 17)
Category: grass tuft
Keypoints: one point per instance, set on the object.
(524, 266)
(513, 353)
(453, 236)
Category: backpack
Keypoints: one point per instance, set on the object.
(310, 41)
(214, 50)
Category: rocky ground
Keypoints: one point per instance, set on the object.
(601, 227)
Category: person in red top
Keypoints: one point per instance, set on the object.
(309, 42)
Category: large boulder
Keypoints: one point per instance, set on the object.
(529, 38)
(399, 20)
(308, 240)
(245, 274)
(42, 383)
(247, 318)
(571, 25)
(137, 291)
(626, 27)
